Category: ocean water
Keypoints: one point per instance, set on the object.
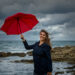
(18, 46)
(9, 68)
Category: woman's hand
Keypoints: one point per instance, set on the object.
(22, 37)
(49, 73)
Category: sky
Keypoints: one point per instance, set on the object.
(55, 16)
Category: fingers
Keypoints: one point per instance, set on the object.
(21, 35)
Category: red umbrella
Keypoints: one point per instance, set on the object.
(19, 23)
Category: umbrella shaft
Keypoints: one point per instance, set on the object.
(19, 24)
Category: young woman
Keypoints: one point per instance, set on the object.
(41, 54)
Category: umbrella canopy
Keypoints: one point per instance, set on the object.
(19, 23)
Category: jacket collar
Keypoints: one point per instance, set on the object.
(41, 44)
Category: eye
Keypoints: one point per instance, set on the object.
(40, 33)
(44, 35)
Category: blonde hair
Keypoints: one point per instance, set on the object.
(47, 40)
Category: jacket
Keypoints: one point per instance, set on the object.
(41, 57)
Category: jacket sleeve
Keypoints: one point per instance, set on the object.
(47, 50)
(27, 46)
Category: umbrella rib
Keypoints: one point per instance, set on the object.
(17, 27)
(19, 24)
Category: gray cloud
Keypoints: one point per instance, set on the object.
(54, 19)
(56, 16)
(9, 7)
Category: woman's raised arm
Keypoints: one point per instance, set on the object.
(26, 44)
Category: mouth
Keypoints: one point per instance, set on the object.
(41, 37)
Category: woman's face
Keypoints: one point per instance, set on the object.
(42, 36)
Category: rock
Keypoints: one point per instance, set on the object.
(57, 73)
(67, 47)
(71, 71)
(73, 67)
(28, 61)
(18, 54)
(9, 54)
(23, 61)
(66, 53)
(3, 54)
(29, 53)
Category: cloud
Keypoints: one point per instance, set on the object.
(56, 6)
(8, 7)
(54, 19)
(46, 19)
(56, 16)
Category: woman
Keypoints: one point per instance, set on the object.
(41, 54)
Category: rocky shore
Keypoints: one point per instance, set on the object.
(4, 54)
(66, 53)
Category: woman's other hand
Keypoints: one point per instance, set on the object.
(49, 73)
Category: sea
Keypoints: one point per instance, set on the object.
(9, 68)
(18, 46)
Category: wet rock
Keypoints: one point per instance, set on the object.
(4, 54)
(71, 71)
(23, 61)
(73, 67)
(57, 73)
(18, 54)
(9, 54)
(66, 53)
(29, 53)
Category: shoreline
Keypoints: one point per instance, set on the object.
(66, 53)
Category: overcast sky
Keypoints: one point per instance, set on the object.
(56, 16)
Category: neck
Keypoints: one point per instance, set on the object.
(41, 42)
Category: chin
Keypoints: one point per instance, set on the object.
(42, 39)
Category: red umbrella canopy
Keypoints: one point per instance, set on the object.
(19, 23)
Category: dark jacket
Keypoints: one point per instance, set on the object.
(41, 57)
